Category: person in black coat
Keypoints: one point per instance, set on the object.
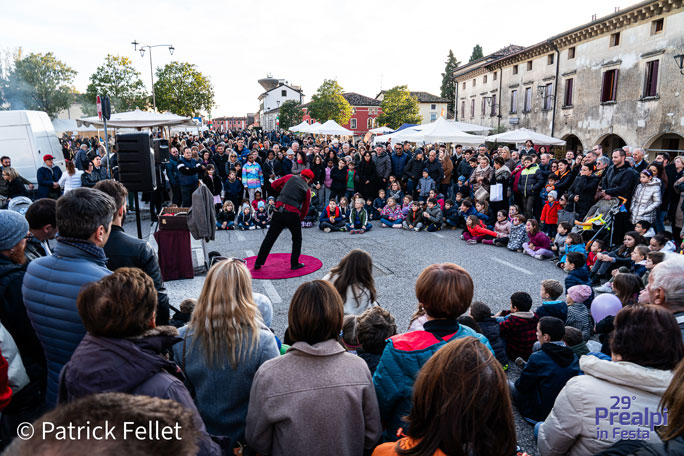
(339, 180)
(582, 192)
(546, 372)
(367, 176)
(414, 171)
(124, 250)
(15, 185)
(482, 314)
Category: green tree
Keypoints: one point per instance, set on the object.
(290, 114)
(448, 89)
(477, 53)
(328, 103)
(181, 89)
(40, 82)
(399, 107)
(118, 79)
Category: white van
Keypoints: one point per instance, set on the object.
(26, 137)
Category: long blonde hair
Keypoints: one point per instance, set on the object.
(226, 320)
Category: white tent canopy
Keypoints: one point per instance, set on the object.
(309, 128)
(440, 130)
(381, 130)
(300, 127)
(136, 119)
(331, 128)
(522, 134)
(470, 128)
(62, 125)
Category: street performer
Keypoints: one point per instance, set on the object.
(291, 208)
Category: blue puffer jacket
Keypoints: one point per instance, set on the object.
(50, 288)
(403, 357)
(46, 177)
(398, 164)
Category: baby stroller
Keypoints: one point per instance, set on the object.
(598, 222)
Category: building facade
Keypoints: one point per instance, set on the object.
(613, 82)
(229, 123)
(278, 91)
(431, 106)
(365, 111)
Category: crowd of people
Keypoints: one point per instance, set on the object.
(87, 334)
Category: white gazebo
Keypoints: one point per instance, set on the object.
(381, 130)
(331, 128)
(299, 127)
(440, 130)
(136, 119)
(522, 135)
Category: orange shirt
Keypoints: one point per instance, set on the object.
(388, 449)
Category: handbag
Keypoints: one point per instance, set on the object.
(481, 194)
(496, 192)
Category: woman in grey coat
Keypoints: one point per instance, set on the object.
(317, 398)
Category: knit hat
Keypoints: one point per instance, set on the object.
(461, 178)
(579, 293)
(260, 204)
(13, 228)
(553, 194)
(270, 198)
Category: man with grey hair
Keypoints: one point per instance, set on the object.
(52, 283)
(666, 287)
(639, 163)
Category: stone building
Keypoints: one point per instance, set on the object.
(613, 81)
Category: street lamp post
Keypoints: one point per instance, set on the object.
(142, 49)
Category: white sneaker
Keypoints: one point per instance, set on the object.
(416, 229)
(396, 225)
(327, 230)
(252, 227)
(539, 257)
(605, 288)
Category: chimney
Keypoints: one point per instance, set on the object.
(593, 17)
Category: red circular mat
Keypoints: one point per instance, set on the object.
(278, 266)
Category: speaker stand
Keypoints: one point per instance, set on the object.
(137, 216)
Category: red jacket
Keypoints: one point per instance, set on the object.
(549, 214)
(481, 230)
(5, 390)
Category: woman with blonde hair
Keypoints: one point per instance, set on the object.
(223, 346)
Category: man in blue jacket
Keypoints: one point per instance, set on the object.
(48, 177)
(52, 283)
(546, 372)
(399, 161)
(188, 176)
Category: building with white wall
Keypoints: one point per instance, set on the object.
(612, 81)
(278, 91)
(431, 106)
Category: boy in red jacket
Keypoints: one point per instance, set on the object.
(549, 215)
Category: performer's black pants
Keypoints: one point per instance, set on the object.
(279, 222)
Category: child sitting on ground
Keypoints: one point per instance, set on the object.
(578, 313)
(645, 229)
(344, 207)
(513, 210)
(539, 244)
(391, 214)
(245, 220)
(348, 338)
(546, 372)
(257, 199)
(482, 211)
(458, 199)
(476, 231)
(378, 204)
(578, 273)
(482, 314)
(425, 184)
(502, 228)
(373, 327)
(261, 216)
(573, 243)
(639, 258)
(395, 192)
(432, 216)
(270, 207)
(461, 187)
(331, 218)
(414, 219)
(450, 214)
(225, 219)
(438, 197)
(558, 245)
(652, 259)
(358, 218)
(598, 246)
(465, 210)
(551, 306)
(406, 206)
(518, 233)
(573, 339)
(518, 326)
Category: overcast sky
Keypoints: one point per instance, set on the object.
(365, 45)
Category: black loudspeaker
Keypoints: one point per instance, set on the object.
(136, 162)
(161, 151)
